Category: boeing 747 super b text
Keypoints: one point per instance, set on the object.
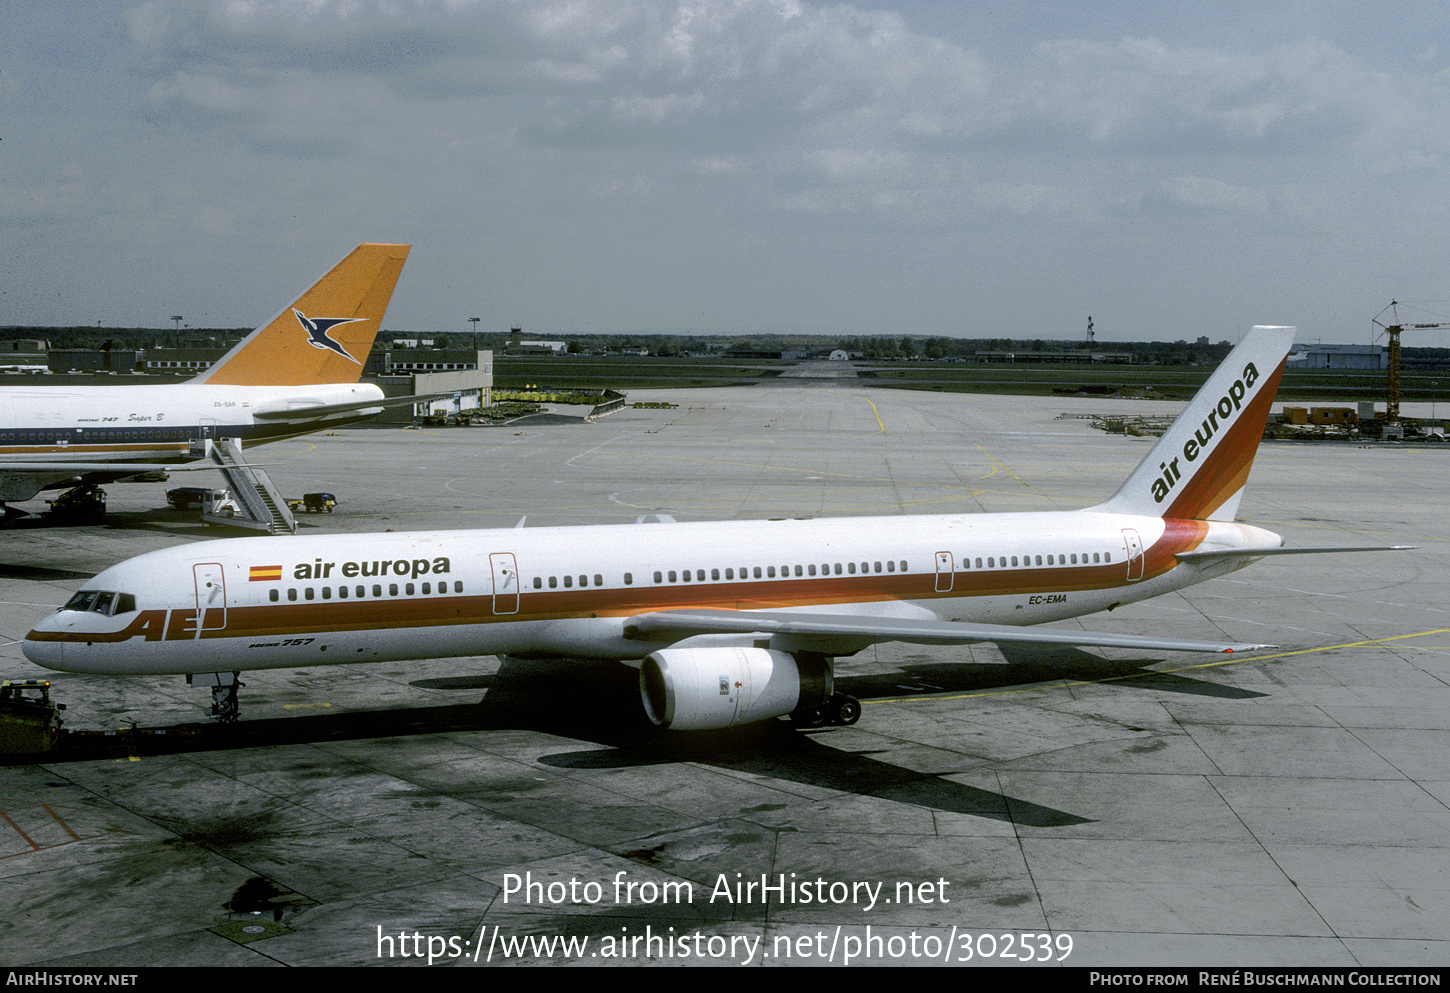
(736, 621)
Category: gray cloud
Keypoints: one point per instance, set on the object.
(534, 142)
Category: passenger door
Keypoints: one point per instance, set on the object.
(211, 597)
(1134, 545)
(505, 582)
(945, 573)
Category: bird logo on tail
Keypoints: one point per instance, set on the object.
(317, 328)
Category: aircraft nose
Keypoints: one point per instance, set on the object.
(41, 645)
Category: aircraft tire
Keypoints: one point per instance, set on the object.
(847, 711)
(810, 717)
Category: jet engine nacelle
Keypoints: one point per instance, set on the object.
(695, 689)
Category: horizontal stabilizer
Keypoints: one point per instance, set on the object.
(324, 410)
(1256, 553)
(856, 632)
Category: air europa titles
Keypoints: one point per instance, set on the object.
(1218, 419)
(412, 568)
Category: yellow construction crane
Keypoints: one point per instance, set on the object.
(1392, 405)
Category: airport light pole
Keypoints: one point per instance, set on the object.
(474, 322)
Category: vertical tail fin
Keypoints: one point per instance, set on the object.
(325, 336)
(1198, 468)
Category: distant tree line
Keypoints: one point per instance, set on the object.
(872, 349)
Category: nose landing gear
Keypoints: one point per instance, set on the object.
(224, 686)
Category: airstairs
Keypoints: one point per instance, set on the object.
(258, 505)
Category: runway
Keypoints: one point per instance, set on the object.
(1061, 807)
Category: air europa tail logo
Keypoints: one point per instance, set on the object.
(317, 328)
(1218, 419)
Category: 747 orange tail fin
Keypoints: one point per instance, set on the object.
(326, 334)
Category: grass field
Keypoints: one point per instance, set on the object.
(632, 373)
(949, 377)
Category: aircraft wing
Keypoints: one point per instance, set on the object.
(24, 480)
(325, 410)
(838, 634)
(120, 470)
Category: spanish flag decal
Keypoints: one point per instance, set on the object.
(264, 573)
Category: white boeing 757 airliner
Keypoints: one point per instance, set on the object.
(736, 621)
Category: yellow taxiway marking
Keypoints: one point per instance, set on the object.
(859, 396)
(1034, 489)
(1036, 687)
(303, 706)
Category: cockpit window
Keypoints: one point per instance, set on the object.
(102, 602)
(84, 600)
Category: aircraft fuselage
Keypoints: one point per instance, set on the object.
(151, 424)
(261, 603)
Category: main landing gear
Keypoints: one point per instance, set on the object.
(839, 709)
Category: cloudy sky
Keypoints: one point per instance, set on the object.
(996, 168)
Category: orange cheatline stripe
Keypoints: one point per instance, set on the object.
(1154, 672)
